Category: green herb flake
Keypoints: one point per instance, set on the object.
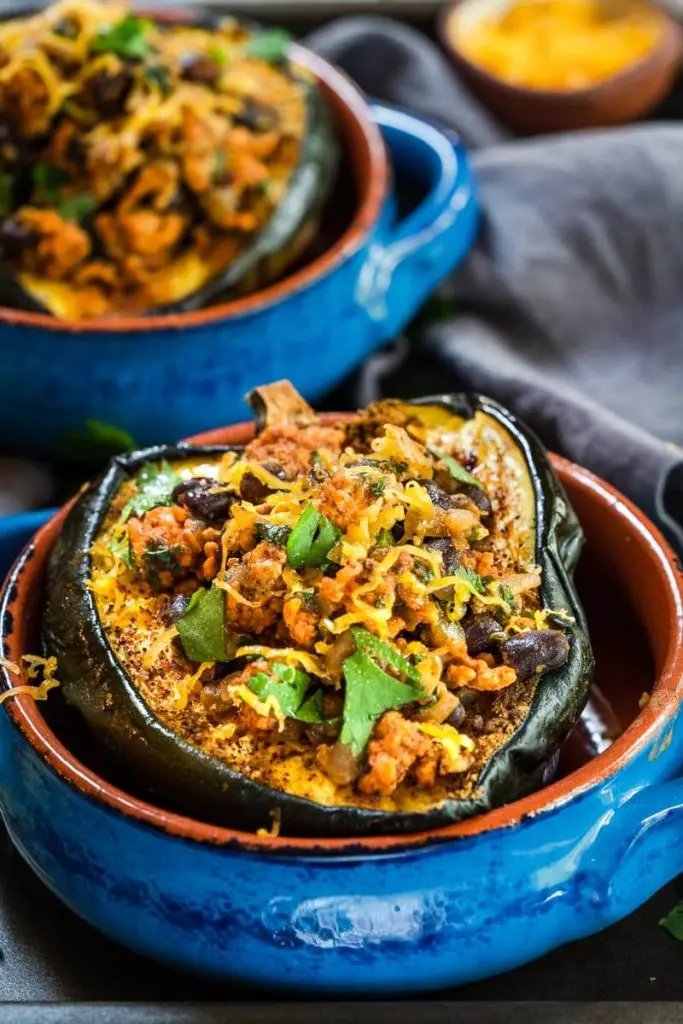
(377, 489)
(49, 181)
(473, 578)
(162, 557)
(218, 55)
(455, 469)
(271, 45)
(159, 76)
(385, 539)
(507, 595)
(369, 693)
(77, 208)
(202, 629)
(312, 539)
(287, 685)
(383, 653)
(121, 549)
(156, 483)
(312, 710)
(673, 922)
(6, 193)
(274, 533)
(128, 38)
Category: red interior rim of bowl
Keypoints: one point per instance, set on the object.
(668, 693)
(366, 149)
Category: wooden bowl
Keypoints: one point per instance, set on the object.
(624, 97)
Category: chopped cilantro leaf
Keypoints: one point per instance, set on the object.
(385, 539)
(455, 469)
(274, 533)
(218, 55)
(271, 45)
(156, 483)
(311, 540)
(287, 685)
(202, 628)
(126, 39)
(507, 595)
(159, 76)
(383, 653)
(120, 548)
(673, 922)
(473, 578)
(377, 489)
(77, 207)
(369, 693)
(49, 181)
(312, 709)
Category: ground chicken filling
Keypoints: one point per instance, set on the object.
(137, 161)
(350, 613)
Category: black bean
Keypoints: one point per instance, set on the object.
(450, 558)
(254, 490)
(535, 651)
(14, 239)
(175, 608)
(109, 92)
(478, 497)
(479, 633)
(203, 500)
(439, 497)
(257, 117)
(201, 70)
(457, 716)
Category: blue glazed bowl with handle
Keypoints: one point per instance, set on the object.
(379, 915)
(173, 375)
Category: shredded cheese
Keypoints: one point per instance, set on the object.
(308, 662)
(34, 665)
(164, 640)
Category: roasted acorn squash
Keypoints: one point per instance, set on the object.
(389, 640)
(149, 167)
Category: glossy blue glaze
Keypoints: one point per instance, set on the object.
(168, 383)
(389, 923)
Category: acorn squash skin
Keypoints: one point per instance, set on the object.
(199, 785)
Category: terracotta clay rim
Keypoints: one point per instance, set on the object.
(666, 696)
(368, 150)
(667, 50)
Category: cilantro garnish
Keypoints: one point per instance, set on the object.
(369, 693)
(383, 653)
(49, 181)
(274, 533)
(77, 207)
(507, 595)
(120, 548)
(288, 686)
(312, 539)
(271, 45)
(455, 469)
(473, 578)
(377, 489)
(159, 76)
(202, 629)
(155, 488)
(6, 193)
(126, 39)
(217, 55)
(385, 539)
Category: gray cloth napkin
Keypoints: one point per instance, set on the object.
(570, 308)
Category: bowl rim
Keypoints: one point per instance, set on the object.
(348, 96)
(668, 49)
(668, 693)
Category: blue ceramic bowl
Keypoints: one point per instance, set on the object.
(380, 915)
(170, 376)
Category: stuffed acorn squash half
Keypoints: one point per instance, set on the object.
(149, 166)
(360, 626)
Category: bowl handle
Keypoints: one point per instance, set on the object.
(651, 852)
(409, 258)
